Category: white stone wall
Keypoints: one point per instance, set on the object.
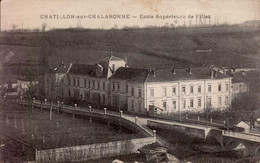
(161, 97)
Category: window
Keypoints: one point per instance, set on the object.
(174, 90)
(199, 102)
(69, 80)
(139, 92)
(78, 81)
(113, 68)
(226, 100)
(209, 101)
(183, 104)
(132, 91)
(87, 95)
(118, 87)
(74, 82)
(209, 88)
(174, 104)
(76, 93)
(219, 87)
(85, 82)
(104, 98)
(98, 85)
(219, 100)
(164, 105)
(93, 84)
(104, 86)
(164, 91)
(226, 87)
(89, 84)
(191, 89)
(69, 93)
(113, 87)
(183, 90)
(139, 107)
(115, 99)
(199, 89)
(152, 92)
(126, 88)
(132, 105)
(191, 103)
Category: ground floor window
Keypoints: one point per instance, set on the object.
(164, 105)
(199, 102)
(184, 104)
(174, 105)
(132, 105)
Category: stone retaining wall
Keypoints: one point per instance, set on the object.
(92, 151)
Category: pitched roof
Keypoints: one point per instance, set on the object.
(131, 74)
(164, 75)
(183, 74)
(82, 69)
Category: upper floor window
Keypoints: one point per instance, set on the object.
(151, 92)
(139, 92)
(68, 80)
(118, 87)
(98, 84)
(209, 88)
(219, 87)
(93, 84)
(85, 82)
(164, 91)
(199, 89)
(74, 82)
(113, 86)
(89, 84)
(174, 90)
(226, 87)
(104, 86)
(183, 90)
(78, 81)
(126, 88)
(191, 89)
(132, 91)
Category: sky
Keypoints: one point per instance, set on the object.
(30, 13)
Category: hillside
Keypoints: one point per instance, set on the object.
(142, 48)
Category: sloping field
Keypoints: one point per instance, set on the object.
(144, 48)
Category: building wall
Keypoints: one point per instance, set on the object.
(178, 95)
(85, 88)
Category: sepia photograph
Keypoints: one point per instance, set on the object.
(130, 81)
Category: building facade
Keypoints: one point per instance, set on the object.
(111, 83)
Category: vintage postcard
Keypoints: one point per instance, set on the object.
(116, 81)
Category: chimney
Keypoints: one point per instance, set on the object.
(173, 71)
(212, 74)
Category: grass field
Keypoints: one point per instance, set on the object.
(141, 48)
(62, 131)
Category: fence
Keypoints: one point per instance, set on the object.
(92, 151)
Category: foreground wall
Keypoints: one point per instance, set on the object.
(92, 151)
